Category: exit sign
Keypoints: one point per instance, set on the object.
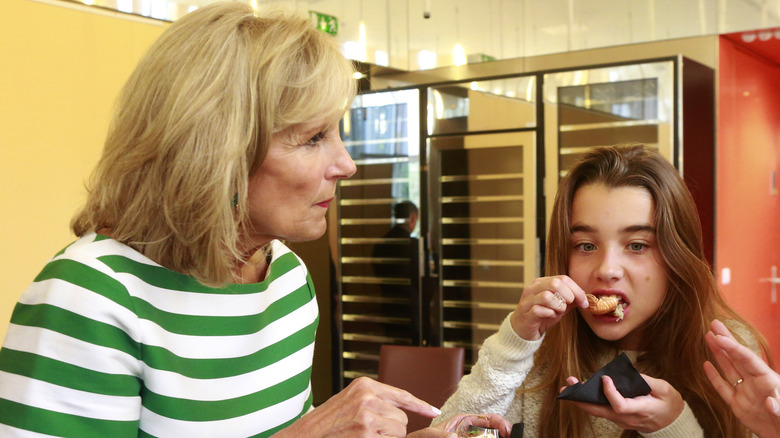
(324, 22)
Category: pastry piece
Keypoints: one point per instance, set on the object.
(603, 305)
(619, 311)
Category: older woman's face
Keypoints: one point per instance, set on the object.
(293, 188)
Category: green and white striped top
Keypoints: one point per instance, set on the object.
(107, 343)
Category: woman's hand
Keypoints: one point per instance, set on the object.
(646, 413)
(750, 387)
(366, 408)
(543, 303)
(446, 429)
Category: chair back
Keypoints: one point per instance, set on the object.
(429, 373)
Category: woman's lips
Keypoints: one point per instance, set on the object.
(325, 203)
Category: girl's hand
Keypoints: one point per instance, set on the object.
(755, 400)
(543, 303)
(447, 428)
(647, 413)
(364, 409)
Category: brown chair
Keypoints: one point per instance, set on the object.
(429, 373)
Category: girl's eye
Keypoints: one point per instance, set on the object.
(586, 247)
(637, 246)
(316, 139)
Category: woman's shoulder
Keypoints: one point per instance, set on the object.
(87, 255)
(91, 265)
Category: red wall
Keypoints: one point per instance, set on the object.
(747, 213)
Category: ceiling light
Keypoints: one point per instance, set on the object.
(381, 58)
(426, 59)
(458, 55)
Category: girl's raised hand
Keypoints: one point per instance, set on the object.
(543, 303)
(751, 388)
(647, 413)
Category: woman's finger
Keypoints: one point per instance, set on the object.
(492, 421)
(717, 327)
(723, 388)
(773, 405)
(744, 360)
(430, 432)
(388, 427)
(404, 400)
(730, 373)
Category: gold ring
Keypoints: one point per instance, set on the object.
(738, 382)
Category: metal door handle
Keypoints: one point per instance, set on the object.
(774, 280)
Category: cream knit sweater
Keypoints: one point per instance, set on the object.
(504, 365)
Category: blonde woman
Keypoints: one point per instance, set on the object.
(623, 225)
(179, 312)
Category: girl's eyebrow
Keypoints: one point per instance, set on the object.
(629, 229)
(582, 229)
(639, 229)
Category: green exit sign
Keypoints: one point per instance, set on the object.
(324, 22)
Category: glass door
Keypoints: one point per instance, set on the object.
(378, 247)
(604, 106)
(482, 189)
(486, 245)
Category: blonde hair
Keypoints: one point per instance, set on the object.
(195, 120)
(673, 347)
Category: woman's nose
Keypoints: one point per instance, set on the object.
(343, 165)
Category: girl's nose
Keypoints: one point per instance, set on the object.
(609, 268)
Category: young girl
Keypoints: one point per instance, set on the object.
(624, 225)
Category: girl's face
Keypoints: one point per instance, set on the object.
(291, 191)
(614, 251)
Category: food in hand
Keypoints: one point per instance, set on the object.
(605, 304)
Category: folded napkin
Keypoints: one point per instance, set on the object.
(517, 430)
(628, 382)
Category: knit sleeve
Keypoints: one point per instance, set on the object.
(684, 425)
(504, 362)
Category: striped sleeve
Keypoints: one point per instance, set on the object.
(69, 365)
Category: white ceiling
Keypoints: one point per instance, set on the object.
(505, 29)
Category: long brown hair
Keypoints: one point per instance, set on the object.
(194, 121)
(673, 347)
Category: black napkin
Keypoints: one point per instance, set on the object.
(517, 430)
(628, 382)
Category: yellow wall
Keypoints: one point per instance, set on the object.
(61, 67)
